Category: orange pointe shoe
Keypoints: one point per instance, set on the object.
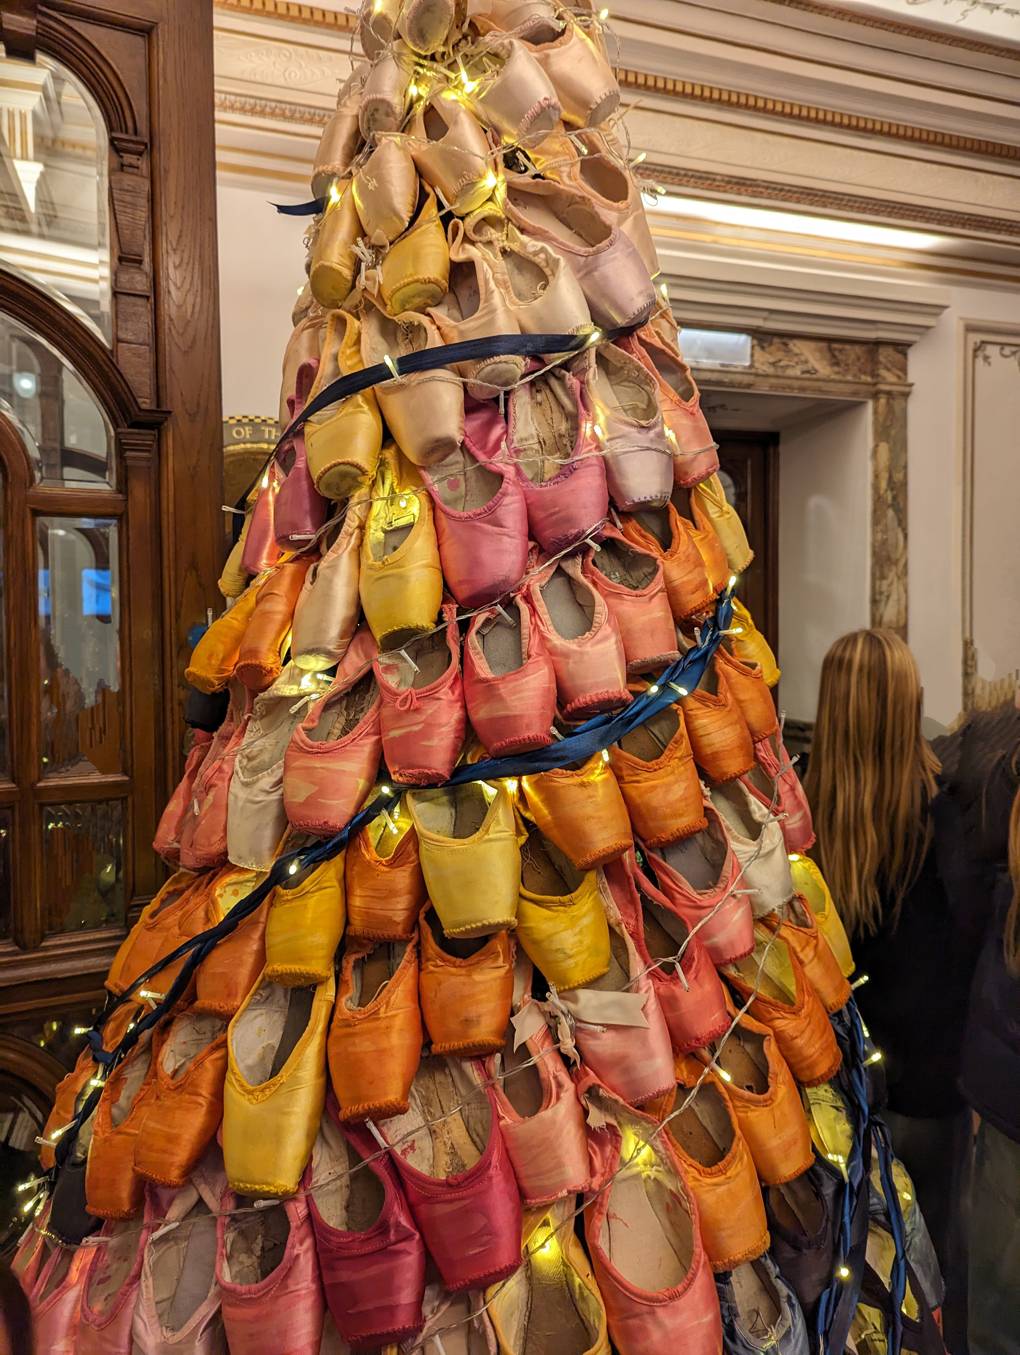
(666, 535)
(466, 988)
(750, 692)
(810, 884)
(561, 920)
(631, 581)
(468, 833)
(401, 577)
(755, 1079)
(306, 922)
(229, 972)
(415, 273)
(385, 886)
(180, 910)
(187, 1108)
(719, 737)
(799, 929)
(214, 658)
(334, 263)
(113, 1189)
(342, 441)
(784, 1000)
(374, 1045)
(259, 662)
(654, 768)
(719, 1168)
(581, 811)
(713, 553)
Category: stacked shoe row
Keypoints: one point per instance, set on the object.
(536, 1060)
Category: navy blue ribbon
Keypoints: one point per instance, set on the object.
(312, 208)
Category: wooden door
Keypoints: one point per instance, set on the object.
(749, 472)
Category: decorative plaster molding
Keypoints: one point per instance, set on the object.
(271, 109)
(1007, 51)
(337, 20)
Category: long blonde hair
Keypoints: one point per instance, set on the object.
(871, 775)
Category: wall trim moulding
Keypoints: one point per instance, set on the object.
(671, 88)
(338, 20)
(273, 110)
(1007, 51)
(830, 202)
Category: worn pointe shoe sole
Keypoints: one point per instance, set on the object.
(341, 480)
(415, 296)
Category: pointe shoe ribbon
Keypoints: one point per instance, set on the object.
(581, 1007)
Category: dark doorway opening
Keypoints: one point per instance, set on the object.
(749, 473)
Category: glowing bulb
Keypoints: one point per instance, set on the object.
(390, 363)
(293, 868)
(794, 856)
(511, 784)
(469, 85)
(598, 431)
(724, 1074)
(664, 290)
(595, 336)
(843, 1273)
(96, 1082)
(733, 580)
(265, 482)
(876, 1057)
(27, 1206)
(26, 1185)
(80, 1030)
(413, 91)
(603, 14)
(490, 180)
(905, 1195)
(334, 195)
(653, 689)
(402, 503)
(639, 158)
(605, 755)
(377, 6)
(385, 790)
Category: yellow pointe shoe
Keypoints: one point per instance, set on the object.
(553, 1291)
(415, 273)
(386, 191)
(470, 857)
(401, 577)
(712, 500)
(750, 646)
(306, 922)
(561, 922)
(276, 1086)
(809, 882)
(343, 440)
(334, 264)
(214, 658)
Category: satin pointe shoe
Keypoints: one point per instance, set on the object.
(582, 638)
(384, 95)
(401, 577)
(178, 1305)
(56, 1301)
(457, 1176)
(600, 172)
(214, 658)
(748, 644)
(376, 26)
(375, 1038)
(415, 272)
(260, 551)
(422, 441)
(703, 533)
(179, 911)
(468, 833)
(275, 1086)
(581, 811)
(34, 1250)
(756, 1080)
(333, 756)
(711, 497)
(539, 1115)
(460, 1318)
(338, 145)
(451, 152)
(385, 886)
(782, 998)
(532, 19)
(465, 988)
(689, 990)
(69, 1088)
(773, 765)
(268, 1273)
(305, 924)
(182, 1119)
(628, 422)
(303, 349)
(760, 1311)
(695, 454)
(328, 606)
(631, 582)
(666, 535)
(795, 924)
(700, 876)
(803, 1217)
(425, 25)
(509, 682)
(229, 972)
(167, 841)
(204, 830)
(422, 716)
(112, 1188)
(553, 1298)
(809, 883)
(259, 662)
(562, 473)
(581, 76)
(343, 441)
(299, 511)
(371, 1255)
(751, 694)
(334, 263)
(474, 308)
(69, 1221)
(609, 268)
(113, 1275)
(256, 811)
(757, 841)
(659, 1296)
(654, 768)
(481, 522)
(561, 921)
(510, 92)
(386, 191)
(536, 283)
(620, 1031)
(719, 736)
(718, 1167)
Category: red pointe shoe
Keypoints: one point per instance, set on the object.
(583, 639)
(422, 716)
(509, 680)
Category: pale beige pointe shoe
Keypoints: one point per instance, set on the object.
(474, 308)
(542, 293)
(451, 152)
(580, 74)
(376, 21)
(334, 264)
(339, 142)
(426, 25)
(386, 191)
(534, 20)
(510, 92)
(403, 400)
(385, 97)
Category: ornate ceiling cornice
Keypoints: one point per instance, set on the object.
(274, 110)
(336, 20)
(1006, 50)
